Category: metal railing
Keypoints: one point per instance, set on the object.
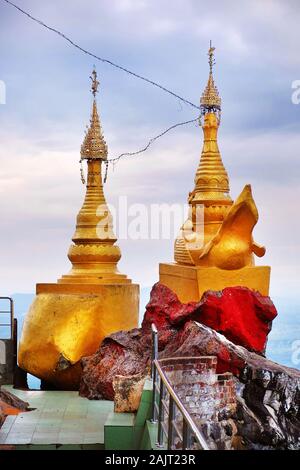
(11, 313)
(174, 421)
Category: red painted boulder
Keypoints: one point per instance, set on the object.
(242, 315)
(122, 353)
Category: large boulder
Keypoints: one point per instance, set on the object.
(268, 412)
(268, 394)
(238, 319)
(121, 353)
(244, 316)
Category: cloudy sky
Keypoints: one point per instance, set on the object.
(48, 106)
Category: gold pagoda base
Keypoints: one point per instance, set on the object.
(190, 282)
(67, 322)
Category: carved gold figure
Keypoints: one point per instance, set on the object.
(215, 247)
(69, 319)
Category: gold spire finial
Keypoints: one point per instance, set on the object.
(210, 100)
(95, 82)
(211, 58)
(94, 145)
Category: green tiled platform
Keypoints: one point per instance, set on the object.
(66, 421)
(61, 420)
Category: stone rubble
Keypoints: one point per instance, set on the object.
(10, 405)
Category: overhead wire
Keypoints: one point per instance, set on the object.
(114, 160)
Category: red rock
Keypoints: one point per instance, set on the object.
(242, 315)
(268, 411)
(6, 409)
(165, 309)
(268, 414)
(121, 353)
(194, 342)
(268, 401)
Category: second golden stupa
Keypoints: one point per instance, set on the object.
(215, 248)
(68, 320)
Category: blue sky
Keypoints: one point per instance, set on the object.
(48, 106)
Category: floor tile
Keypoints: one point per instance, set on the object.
(18, 438)
(93, 438)
(3, 436)
(48, 438)
(61, 418)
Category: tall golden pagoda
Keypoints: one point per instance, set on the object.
(215, 248)
(68, 320)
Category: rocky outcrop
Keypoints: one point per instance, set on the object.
(268, 412)
(268, 394)
(242, 315)
(123, 353)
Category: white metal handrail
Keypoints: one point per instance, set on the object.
(165, 402)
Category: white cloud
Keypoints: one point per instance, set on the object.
(41, 195)
(46, 111)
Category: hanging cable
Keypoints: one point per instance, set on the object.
(124, 69)
(101, 59)
(114, 160)
(81, 172)
(106, 171)
(130, 154)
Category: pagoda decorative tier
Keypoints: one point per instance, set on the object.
(69, 319)
(215, 248)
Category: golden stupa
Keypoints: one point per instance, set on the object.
(215, 248)
(69, 319)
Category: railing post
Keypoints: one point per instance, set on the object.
(153, 405)
(170, 424)
(154, 347)
(12, 314)
(186, 436)
(160, 432)
(154, 372)
(15, 343)
(190, 433)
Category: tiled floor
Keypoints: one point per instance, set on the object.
(59, 418)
